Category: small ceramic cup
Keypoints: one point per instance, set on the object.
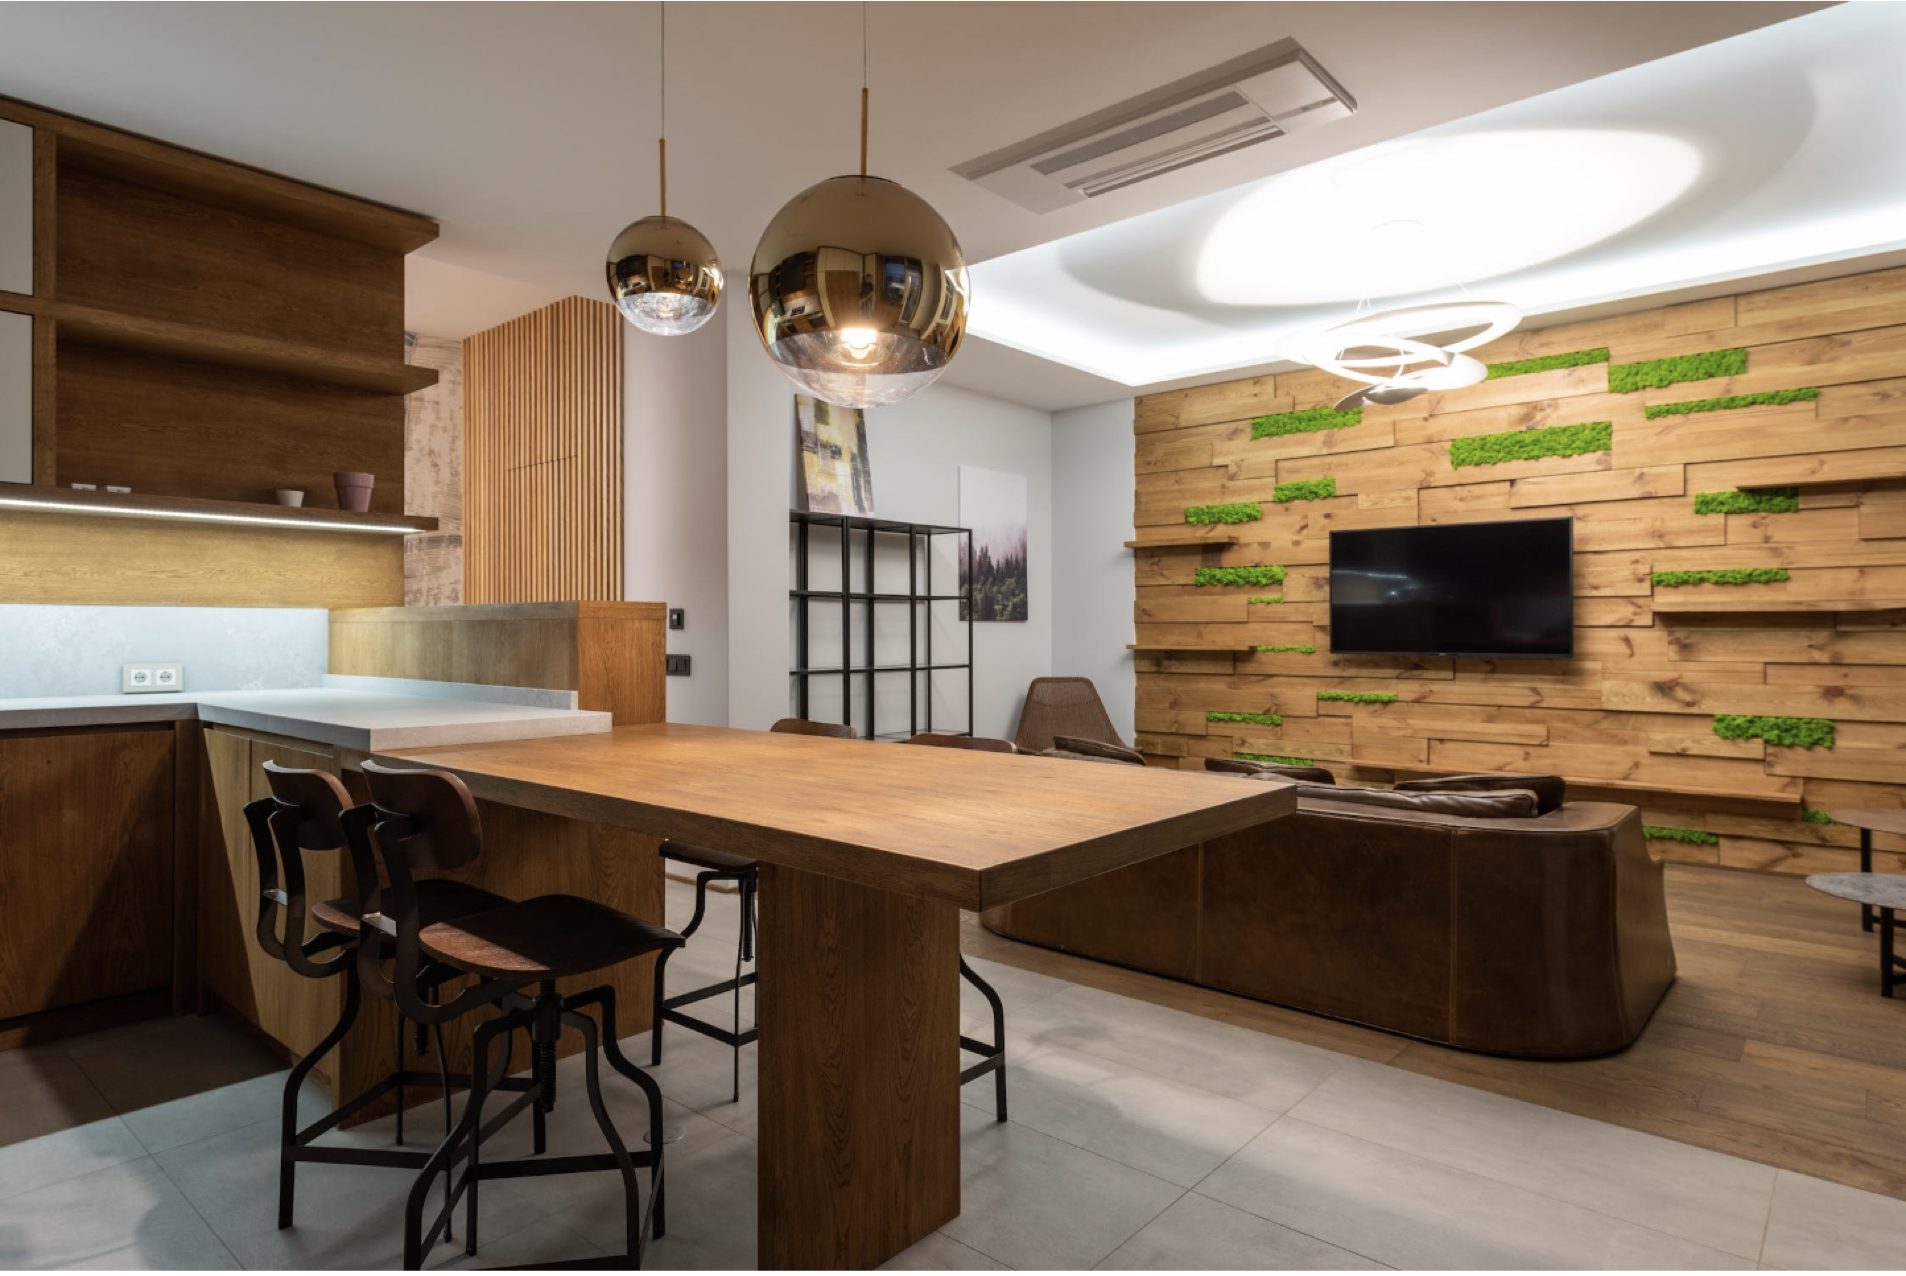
(290, 496)
(354, 490)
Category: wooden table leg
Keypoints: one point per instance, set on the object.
(859, 1089)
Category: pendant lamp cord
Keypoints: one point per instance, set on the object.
(661, 143)
(863, 88)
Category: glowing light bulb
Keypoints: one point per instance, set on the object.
(860, 342)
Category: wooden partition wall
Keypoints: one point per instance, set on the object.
(542, 460)
(1631, 717)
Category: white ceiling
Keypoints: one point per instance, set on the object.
(1774, 150)
(528, 129)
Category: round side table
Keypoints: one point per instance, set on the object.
(1869, 822)
(1882, 892)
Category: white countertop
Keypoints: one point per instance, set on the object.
(363, 720)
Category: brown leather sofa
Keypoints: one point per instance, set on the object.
(1474, 918)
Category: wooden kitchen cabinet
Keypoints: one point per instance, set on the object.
(86, 872)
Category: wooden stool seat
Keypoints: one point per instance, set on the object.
(707, 857)
(544, 938)
(438, 900)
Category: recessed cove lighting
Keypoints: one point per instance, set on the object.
(1429, 213)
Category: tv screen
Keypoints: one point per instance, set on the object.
(1454, 589)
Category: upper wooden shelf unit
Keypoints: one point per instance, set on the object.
(190, 509)
(1771, 604)
(1179, 537)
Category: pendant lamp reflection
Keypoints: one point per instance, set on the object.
(663, 273)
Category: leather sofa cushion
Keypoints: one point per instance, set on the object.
(1501, 804)
(1078, 746)
(1551, 791)
(1270, 770)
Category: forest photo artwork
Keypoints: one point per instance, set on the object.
(993, 505)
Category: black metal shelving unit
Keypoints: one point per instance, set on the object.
(863, 534)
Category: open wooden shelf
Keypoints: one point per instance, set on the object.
(1737, 801)
(191, 509)
(1772, 604)
(1179, 646)
(183, 341)
(1190, 536)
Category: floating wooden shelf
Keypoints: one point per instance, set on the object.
(1680, 797)
(1191, 536)
(1179, 646)
(1771, 604)
(190, 509)
(183, 341)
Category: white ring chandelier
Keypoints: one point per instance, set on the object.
(1394, 368)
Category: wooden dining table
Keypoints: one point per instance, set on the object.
(868, 852)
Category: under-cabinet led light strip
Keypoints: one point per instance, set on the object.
(74, 507)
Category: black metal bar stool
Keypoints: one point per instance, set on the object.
(303, 815)
(426, 819)
(745, 873)
(992, 1054)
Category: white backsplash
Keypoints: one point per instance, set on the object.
(77, 651)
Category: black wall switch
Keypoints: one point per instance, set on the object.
(678, 665)
(677, 618)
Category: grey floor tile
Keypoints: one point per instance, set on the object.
(347, 1216)
(163, 1126)
(1029, 1200)
(1019, 991)
(1707, 1197)
(940, 1253)
(1197, 1233)
(1170, 1130)
(1252, 1067)
(126, 1216)
(1818, 1225)
(46, 1092)
(160, 1060)
(1407, 1211)
(545, 1241)
(65, 1154)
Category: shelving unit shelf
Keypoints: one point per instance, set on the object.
(195, 509)
(1189, 537)
(862, 535)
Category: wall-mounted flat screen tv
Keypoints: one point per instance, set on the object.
(1454, 589)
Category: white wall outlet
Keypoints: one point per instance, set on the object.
(135, 679)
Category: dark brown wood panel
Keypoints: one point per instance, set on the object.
(860, 1095)
(174, 428)
(223, 268)
(85, 865)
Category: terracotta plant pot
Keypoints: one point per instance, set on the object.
(354, 489)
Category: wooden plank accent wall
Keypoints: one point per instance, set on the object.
(542, 464)
(1630, 717)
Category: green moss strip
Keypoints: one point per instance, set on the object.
(1268, 575)
(1765, 399)
(1272, 757)
(1764, 500)
(1305, 490)
(1302, 649)
(1265, 598)
(1694, 836)
(1241, 512)
(1811, 816)
(1547, 363)
(1787, 733)
(1725, 576)
(1527, 445)
(1359, 697)
(1655, 373)
(1307, 421)
(1255, 719)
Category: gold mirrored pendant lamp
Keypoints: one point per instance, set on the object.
(663, 273)
(859, 289)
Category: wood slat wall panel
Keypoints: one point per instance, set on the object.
(542, 477)
(1653, 667)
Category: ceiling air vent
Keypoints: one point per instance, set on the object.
(1276, 90)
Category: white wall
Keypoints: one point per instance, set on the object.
(675, 501)
(916, 449)
(1093, 594)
